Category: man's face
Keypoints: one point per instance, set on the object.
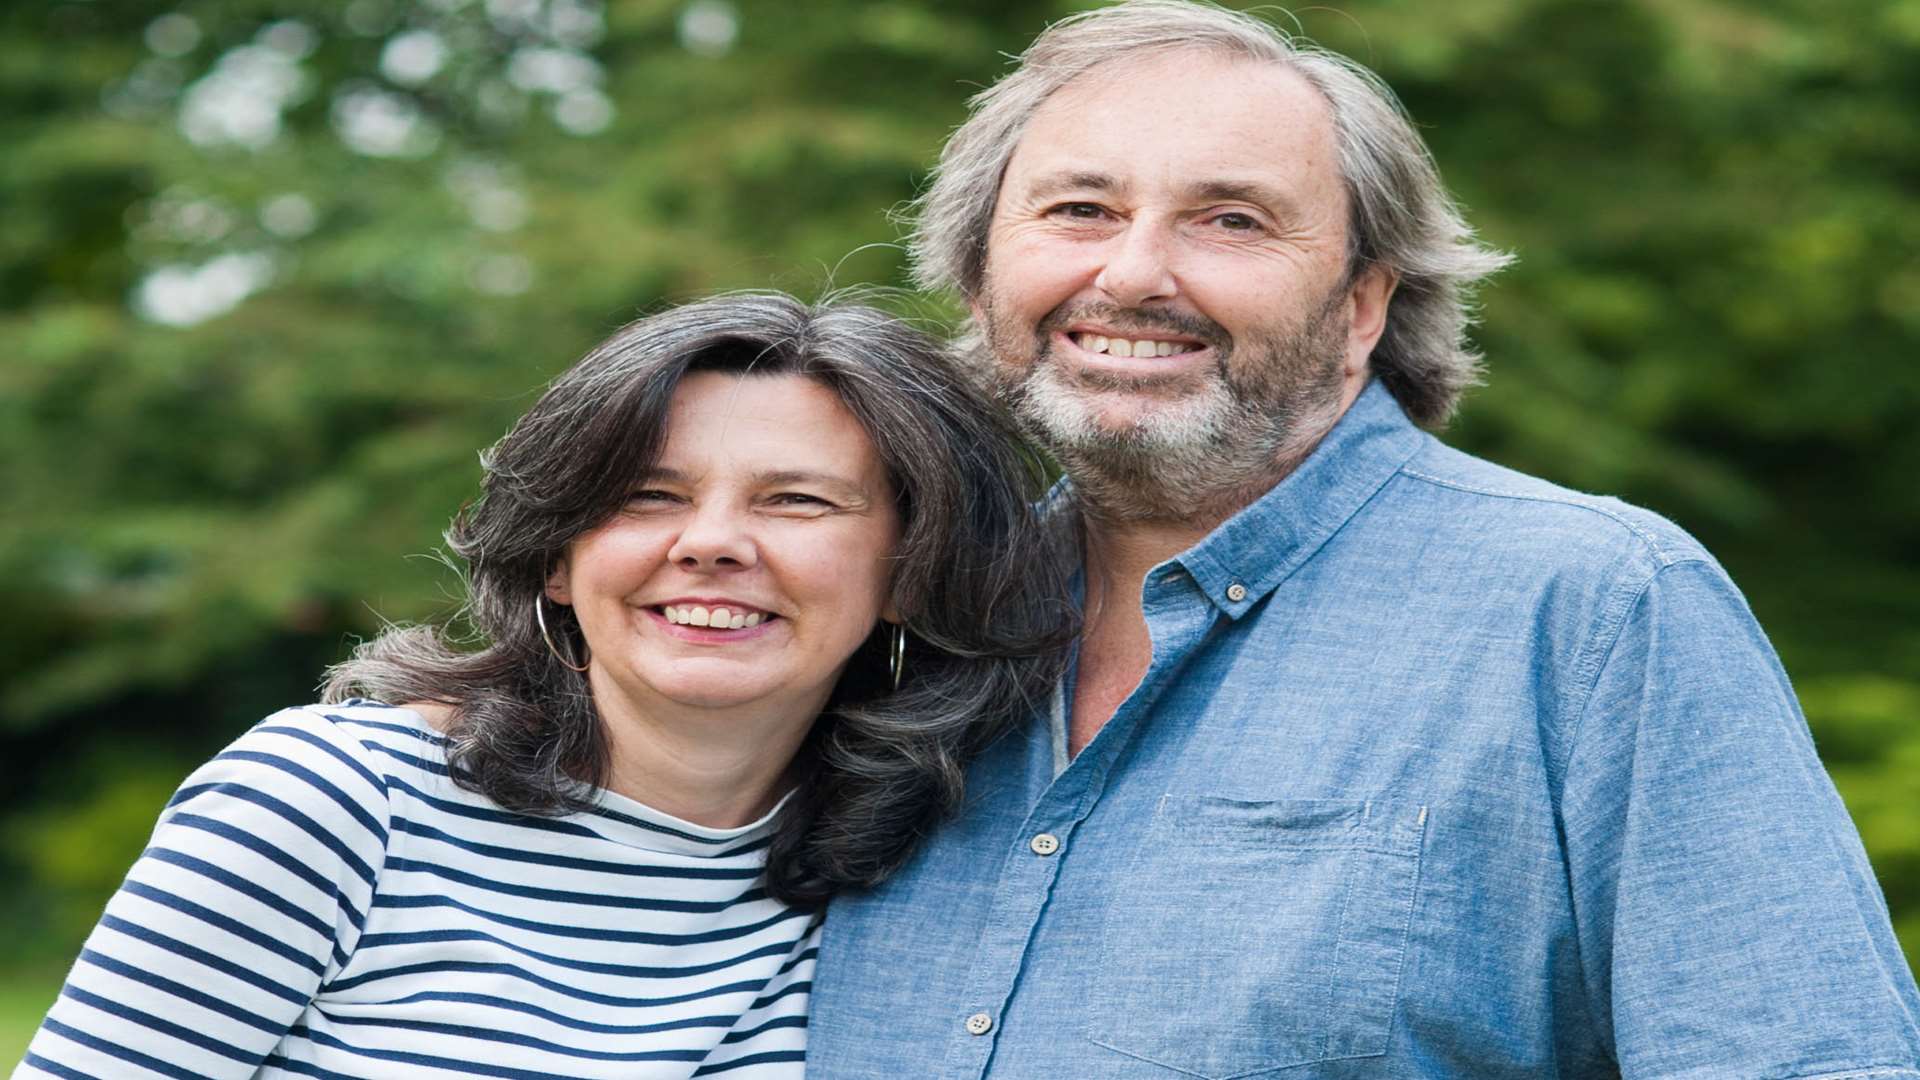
(1166, 274)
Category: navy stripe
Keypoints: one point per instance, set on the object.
(244, 887)
(344, 758)
(767, 1058)
(204, 959)
(786, 991)
(307, 1068)
(305, 823)
(534, 821)
(182, 991)
(431, 738)
(805, 955)
(115, 1050)
(56, 1068)
(317, 782)
(551, 1017)
(492, 813)
(164, 1027)
(571, 862)
(420, 764)
(475, 1067)
(221, 922)
(775, 1024)
(567, 896)
(326, 885)
(637, 937)
(471, 967)
(641, 971)
(525, 1041)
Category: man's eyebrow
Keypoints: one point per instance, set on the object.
(1250, 191)
(1047, 185)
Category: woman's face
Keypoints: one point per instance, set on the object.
(747, 568)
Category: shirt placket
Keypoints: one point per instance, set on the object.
(1178, 618)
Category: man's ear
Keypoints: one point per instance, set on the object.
(559, 582)
(1367, 301)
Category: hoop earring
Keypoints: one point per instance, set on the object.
(897, 652)
(540, 617)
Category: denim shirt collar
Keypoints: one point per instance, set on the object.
(1263, 544)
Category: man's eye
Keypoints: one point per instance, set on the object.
(1080, 211)
(1236, 222)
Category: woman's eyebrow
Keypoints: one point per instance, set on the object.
(839, 484)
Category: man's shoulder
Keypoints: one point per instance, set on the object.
(1510, 513)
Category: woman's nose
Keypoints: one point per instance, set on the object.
(715, 538)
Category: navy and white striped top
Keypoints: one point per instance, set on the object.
(322, 900)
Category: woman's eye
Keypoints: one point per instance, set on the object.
(649, 497)
(799, 499)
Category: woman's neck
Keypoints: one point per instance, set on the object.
(713, 767)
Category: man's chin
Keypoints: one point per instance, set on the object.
(1120, 423)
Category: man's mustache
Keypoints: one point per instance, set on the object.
(1141, 322)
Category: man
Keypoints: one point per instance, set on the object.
(1377, 760)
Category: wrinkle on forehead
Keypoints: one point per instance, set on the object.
(1221, 126)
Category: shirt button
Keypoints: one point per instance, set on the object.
(1236, 592)
(979, 1024)
(1044, 844)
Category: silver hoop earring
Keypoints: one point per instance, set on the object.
(897, 652)
(540, 617)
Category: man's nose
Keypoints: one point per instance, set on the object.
(1138, 267)
(716, 537)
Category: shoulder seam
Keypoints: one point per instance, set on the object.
(1655, 548)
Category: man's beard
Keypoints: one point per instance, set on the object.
(1196, 448)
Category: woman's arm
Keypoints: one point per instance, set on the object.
(251, 894)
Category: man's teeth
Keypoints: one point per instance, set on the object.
(722, 618)
(1131, 347)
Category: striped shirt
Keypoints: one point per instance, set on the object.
(321, 900)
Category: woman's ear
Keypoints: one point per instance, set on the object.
(558, 582)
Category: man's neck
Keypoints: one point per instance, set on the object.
(1116, 648)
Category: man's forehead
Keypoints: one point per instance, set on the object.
(1211, 119)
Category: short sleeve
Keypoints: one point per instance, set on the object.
(1729, 923)
(251, 893)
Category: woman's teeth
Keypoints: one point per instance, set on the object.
(717, 617)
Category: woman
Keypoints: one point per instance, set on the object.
(751, 582)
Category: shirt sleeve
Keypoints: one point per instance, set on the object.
(1729, 923)
(251, 893)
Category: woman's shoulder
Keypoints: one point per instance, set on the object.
(366, 731)
(336, 757)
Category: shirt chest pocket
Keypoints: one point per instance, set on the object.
(1253, 936)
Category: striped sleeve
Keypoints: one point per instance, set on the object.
(252, 892)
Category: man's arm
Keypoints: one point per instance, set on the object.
(1729, 922)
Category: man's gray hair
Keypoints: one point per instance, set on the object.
(1400, 216)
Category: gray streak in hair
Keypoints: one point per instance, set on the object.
(979, 583)
(1400, 215)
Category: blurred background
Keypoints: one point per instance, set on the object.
(272, 271)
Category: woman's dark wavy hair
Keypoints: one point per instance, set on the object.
(978, 582)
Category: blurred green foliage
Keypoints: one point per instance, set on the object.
(273, 271)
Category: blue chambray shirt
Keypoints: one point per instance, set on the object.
(1438, 771)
